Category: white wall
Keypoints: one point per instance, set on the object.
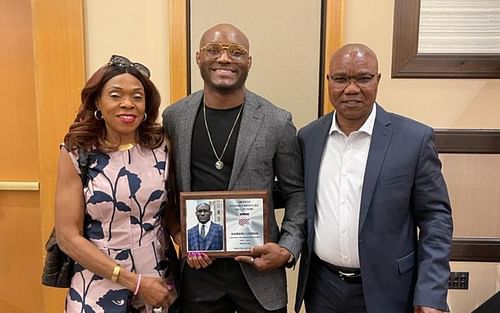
(135, 29)
(284, 45)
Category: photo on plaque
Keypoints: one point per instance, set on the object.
(223, 223)
(204, 219)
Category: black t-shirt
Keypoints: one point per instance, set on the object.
(204, 175)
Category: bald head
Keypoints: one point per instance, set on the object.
(224, 62)
(225, 33)
(354, 51)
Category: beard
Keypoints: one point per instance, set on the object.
(223, 87)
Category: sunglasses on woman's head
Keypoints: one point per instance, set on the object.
(118, 60)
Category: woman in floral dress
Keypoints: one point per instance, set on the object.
(113, 230)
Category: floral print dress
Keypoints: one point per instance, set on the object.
(123, 199)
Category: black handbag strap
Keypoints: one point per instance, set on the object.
(170, 186)
(83, 164)
(172, 212)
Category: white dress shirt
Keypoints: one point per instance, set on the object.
(207, 227)
(340, 183)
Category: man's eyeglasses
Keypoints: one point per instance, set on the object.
(342, 81)
(214, 50)
(118, 60)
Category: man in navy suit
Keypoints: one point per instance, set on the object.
(206, 235)
(379, 224)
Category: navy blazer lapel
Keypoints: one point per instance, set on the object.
(381, 138)
(315, 154)
(251, 120)
(185, 134)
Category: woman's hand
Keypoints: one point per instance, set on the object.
(157, 292)
(198, 260)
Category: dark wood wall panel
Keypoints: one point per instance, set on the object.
(471, 141)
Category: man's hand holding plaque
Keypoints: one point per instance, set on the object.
(267, 257)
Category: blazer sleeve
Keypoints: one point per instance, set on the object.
(289, 173)
(167, 121)
(433, 218)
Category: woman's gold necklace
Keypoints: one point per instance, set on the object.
(126, 146)
(219, 164)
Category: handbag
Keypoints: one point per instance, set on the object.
(58, 267)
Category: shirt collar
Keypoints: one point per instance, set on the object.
(367, 126)
(207, 225)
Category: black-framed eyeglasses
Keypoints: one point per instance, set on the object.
(214, 50)
(121, 61)
(342, 81)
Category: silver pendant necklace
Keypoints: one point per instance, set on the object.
(219, 164)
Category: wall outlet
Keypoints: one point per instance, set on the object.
(458, 280)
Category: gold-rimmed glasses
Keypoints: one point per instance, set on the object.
(121, 61)
(342, 81)
(214, 50)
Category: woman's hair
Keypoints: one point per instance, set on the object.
(89, 133)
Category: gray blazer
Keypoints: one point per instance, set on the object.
(267, 147)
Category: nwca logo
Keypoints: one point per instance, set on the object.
(244, 219)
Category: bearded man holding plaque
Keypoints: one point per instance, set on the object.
(227, 138)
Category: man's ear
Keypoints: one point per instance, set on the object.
(198, 58)
(379, 76)
(249, 62)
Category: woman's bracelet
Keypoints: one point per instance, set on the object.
(138, 285)
(116, 273)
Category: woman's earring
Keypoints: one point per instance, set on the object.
(98, 115)
(145, 116)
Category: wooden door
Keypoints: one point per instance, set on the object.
(41, 72)
(20, 228)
